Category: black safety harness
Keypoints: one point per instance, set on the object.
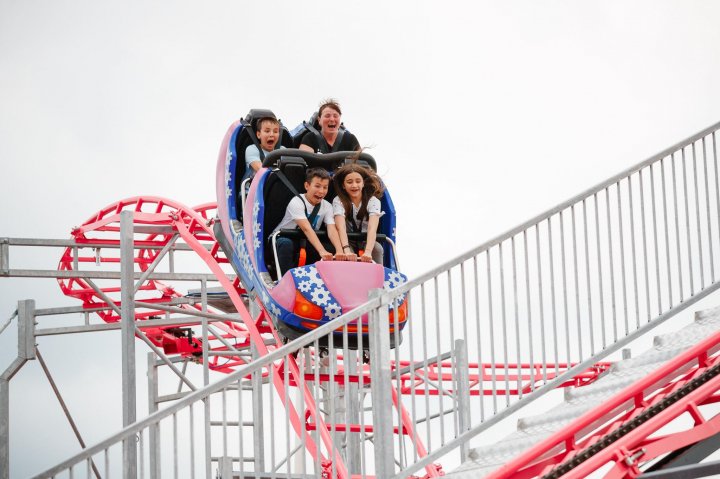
(323, 145)
(312, 216)
(253, 138)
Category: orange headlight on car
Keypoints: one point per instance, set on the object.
(306, 309)
(402, 315)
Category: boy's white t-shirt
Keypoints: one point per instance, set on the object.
(300, 208)
(373, 208)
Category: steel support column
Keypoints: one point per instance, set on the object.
(462, 393)
(257, 413)
(154, 430)
(127, 307)
(26, 351)
(206, 379)
(352, 415)
(5, 421)
(381, 385)
(257, 402)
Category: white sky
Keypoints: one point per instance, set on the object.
(480, 114)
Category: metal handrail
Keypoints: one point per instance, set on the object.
(550, 273)
(201, 394)
(485, 306)
(554, 210)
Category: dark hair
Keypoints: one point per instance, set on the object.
(321, 173)
(372, 186)
(258, 125)
(329, 103)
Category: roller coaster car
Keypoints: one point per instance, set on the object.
(308, 296)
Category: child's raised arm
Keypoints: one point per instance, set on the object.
(334, 237)
(373, 222)
(345, 252)
(312, 237)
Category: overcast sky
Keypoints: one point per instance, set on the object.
(479, 114)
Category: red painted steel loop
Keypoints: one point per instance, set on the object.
(101, 232)
(158, 223)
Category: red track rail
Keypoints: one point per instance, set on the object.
(103, 229)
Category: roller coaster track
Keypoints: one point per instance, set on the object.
(193, 227)
(162, 226)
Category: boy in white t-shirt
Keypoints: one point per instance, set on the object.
(308, 212)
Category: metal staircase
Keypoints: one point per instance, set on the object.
(601, 417)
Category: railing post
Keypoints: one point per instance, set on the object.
(462, 392)
(154, 429)
(225, 465)
(352, 415)
(26, 351)
(206, 380)
(380, 383)
(257, 402)
(127, 307)
(4, 427)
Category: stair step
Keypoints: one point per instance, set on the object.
(708, 315)
(610, 383)
(652, 356)
(503, 451)
(561, 414)
(472, 470)
(685, 337)
(531, 430)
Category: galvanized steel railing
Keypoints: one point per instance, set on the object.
(566, 288)
(487, 333)
(218, 425)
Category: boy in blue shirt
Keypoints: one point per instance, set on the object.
(268, 133)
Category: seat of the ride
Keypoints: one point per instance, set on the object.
(293, 164)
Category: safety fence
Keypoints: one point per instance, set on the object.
(567, 288)
(239, 427)
(484, 334)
